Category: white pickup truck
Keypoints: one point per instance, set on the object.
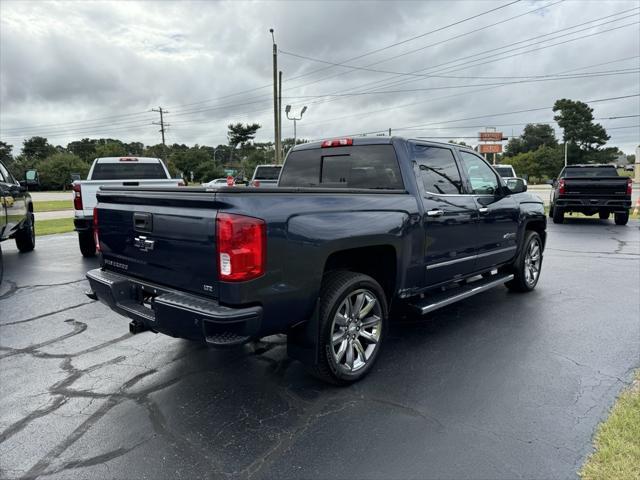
(113, 171)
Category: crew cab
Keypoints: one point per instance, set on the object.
(356, 227)
(591, 189)
(16, 214)
(113, 171)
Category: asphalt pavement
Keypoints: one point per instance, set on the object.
(500, 385)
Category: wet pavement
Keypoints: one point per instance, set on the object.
(500, 385)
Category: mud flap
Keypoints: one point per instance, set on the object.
(302, 339)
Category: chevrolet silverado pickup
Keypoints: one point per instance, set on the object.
(113, 171)
(16, 214)
(591, 189)
(355, 227)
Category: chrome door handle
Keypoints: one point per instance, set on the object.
(483, 210)
(435, 213)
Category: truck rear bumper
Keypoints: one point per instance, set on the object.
(594, 203)
(175, 313)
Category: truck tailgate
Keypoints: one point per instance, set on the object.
(596, 186)
(168, 239)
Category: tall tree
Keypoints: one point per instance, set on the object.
(533, 137)
(37, 148)
(85, 149)
(576, 119)
(5, 153)
(241, 134)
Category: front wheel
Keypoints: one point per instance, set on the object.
(87, 243)
(527, 267)
(26, 236)
(353, 318)
(621, 218)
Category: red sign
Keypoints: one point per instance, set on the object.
(490, 136)
(490, 148)
(230, 181)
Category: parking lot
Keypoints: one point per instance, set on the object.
(498, 386)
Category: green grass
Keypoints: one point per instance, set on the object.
(52, 205)
(617, 441)
(58, 225)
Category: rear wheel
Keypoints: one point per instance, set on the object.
(558, 215)
(603, 215)
(87, 243)
(26, 236)
(621, 218)
(353, 318)
(527, 267)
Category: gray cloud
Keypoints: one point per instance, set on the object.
(80, 62)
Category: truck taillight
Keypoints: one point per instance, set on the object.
(561, 186)
(629, 186)
(337, 142)
(241, 247)
(96, 237)
(77, 196)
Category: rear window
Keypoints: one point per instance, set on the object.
(128, 171)
(590, 172)
(267, 173)
(363, 166)
(504, 172)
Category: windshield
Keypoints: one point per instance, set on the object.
(504, 171)
(590, 172)
(267, 173)
(128, 171)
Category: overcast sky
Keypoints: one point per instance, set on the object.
(95, 69)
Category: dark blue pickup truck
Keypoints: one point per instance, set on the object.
(354, 228)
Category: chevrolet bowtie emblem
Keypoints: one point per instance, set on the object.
(143, 243)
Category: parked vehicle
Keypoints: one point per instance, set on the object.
(216, 182)
(591, 189)
(356, 227)
(113, 171)
(16, 214)
(265, 176)
(629, 168)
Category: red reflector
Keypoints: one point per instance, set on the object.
(77, 196)
(128, 159)
(337, 142)
(561, 186)
(629, 186)
(241, 247)
(96, 237)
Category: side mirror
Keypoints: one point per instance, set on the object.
(516, 185)
(31, 178)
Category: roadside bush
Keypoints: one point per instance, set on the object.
(55, 171)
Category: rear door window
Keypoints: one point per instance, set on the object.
(128, 171)
(362, 166)
(438, 169)
(267, 173)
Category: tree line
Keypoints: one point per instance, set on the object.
(198, 163)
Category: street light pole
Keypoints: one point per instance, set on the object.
(275, 99)
(295, 119)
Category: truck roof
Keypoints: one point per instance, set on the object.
(377, 140)
(128, 158)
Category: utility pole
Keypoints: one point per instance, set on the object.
(162, 129)
(276, 125)
(280, 114)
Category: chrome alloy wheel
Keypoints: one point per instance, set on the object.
(356, 330)
(532, 262)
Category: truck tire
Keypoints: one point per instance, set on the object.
(353, 319)
(26, 236)
(526, 269)
(621, 218)
(603, 215)
(87, 243)
(558, 215)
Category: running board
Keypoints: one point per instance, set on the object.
(442, 299)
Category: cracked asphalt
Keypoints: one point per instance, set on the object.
(498, 386)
